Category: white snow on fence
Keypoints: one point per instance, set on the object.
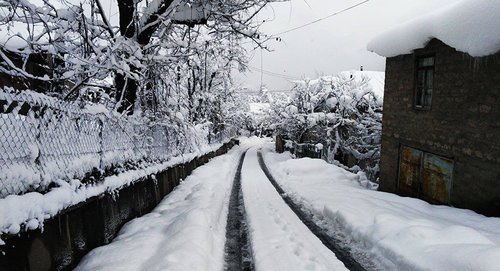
(470, 26)
(48, 146)
(44, 140)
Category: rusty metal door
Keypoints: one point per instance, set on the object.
(425, 175)
(409, 171)
(436, 178)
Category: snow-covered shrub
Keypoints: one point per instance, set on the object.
(341, 112)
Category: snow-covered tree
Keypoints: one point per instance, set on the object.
(341, 112)
(122, 61)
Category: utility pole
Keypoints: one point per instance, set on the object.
(205, 81)
(261, 68)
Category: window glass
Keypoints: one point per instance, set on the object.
(424, 82)
(426, 62)
(429, 79)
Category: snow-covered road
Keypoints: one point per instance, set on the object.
(187, 231)
(280, 241)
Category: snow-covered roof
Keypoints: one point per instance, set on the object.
(470, 26)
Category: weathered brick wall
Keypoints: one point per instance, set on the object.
(463, 123)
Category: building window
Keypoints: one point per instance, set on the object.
(424, 82)
(425, 175)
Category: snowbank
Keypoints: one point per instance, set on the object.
(186, 231)
(31, 209)
(409, 233)
(470, 26)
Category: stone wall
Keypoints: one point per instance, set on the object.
(463, 123)
(66, 238)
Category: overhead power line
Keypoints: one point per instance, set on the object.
(270, 73)
(320, 19)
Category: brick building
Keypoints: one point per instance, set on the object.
(441, 122)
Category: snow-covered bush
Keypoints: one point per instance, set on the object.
(341, 112)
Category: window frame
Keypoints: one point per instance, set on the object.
(416, 81)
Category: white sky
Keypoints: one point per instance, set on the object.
(329, 46)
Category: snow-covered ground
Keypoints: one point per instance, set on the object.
(409, 233)
(187, 230)
(30, 210)
(280, 241)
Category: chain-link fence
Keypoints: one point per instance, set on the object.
(44, 141)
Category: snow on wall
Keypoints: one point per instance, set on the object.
(470, 26)
(187, 224)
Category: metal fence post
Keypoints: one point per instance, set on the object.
(101, 143)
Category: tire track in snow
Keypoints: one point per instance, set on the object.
(238, 254)
(328, 241)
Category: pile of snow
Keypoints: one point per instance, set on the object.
(30, 210)
(470, 26)
(408, 233)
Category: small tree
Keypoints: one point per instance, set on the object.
(340, 112)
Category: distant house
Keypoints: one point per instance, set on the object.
(441, 122)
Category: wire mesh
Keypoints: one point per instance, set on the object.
(44, 141)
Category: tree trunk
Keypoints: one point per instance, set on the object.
(126, 93)
(126, 88)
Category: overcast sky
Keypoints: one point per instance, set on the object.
(329, 46)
